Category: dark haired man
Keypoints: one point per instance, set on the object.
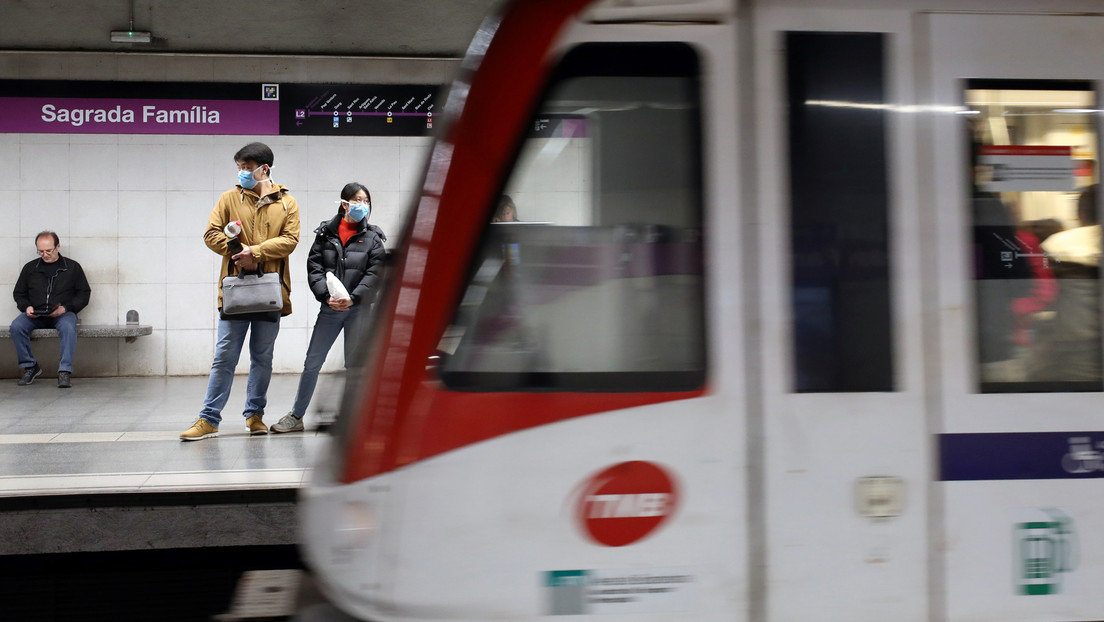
(269, 218)
(49, 293)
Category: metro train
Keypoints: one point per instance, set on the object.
(798, 319)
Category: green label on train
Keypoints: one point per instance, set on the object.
(1044, 551)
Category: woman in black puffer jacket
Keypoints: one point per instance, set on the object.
(352, 250)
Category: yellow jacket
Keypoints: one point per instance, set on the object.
(270, 228)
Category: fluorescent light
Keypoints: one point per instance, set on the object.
(131, 36)
(831, 103)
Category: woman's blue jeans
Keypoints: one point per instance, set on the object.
(231, 338)
(326, 329)
(66, 325)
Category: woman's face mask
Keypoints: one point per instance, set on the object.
(359, 211)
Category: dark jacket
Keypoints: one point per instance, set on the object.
(357, 264)
(51, 284)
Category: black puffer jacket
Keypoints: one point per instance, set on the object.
(357, 264)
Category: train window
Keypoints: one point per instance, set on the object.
(589, 275)
(839, 206)
(1036, 234)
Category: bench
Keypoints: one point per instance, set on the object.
(131, 331)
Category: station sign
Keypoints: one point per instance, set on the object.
(216, 108)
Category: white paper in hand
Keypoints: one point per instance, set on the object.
(337, 290)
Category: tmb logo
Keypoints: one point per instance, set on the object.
(626, 502)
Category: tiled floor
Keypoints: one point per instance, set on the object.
(122, 435)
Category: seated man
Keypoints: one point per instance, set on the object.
(51, 290)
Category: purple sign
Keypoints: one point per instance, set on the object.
(573, 128)
(560, 126)
(1021, 455)
(64, 115)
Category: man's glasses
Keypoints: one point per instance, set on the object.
(46, 251)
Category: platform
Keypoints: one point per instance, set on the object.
(113, 435)
(100, 466)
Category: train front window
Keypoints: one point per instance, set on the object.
(589, 276)
(1036, 235)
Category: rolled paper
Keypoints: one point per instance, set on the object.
(337, 290)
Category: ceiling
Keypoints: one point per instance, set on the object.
(415, 28)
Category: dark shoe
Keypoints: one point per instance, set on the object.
(64, 381)
(29, 374)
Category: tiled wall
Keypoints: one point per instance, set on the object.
(132, 209)
(551, 182)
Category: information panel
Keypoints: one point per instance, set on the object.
(358, 109)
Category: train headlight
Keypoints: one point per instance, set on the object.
(356, 523)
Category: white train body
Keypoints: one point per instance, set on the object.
(722, 395)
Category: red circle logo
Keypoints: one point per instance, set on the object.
(625, 502)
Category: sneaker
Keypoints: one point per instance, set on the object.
(64, 379)
(256, 425)
(200, 430)
(29, 374)
(288, 423)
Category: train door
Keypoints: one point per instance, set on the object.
(844, 435)
(1013, 208)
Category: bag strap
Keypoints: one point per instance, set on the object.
(232, 269)
(258, 272)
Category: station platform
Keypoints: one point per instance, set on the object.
(100, 466)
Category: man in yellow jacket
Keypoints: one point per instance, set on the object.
(269, 218)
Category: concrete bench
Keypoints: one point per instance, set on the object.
(131, 331)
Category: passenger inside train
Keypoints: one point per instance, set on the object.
(1066, 346)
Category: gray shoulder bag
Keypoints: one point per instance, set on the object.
(249, 292)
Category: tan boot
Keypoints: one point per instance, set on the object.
(256, 425)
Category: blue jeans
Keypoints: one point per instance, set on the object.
(326, 329)
(231, 338)
(66, 325)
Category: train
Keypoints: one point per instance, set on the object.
(742, 311)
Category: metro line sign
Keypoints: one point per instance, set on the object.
(625, 502)
(1018, 168)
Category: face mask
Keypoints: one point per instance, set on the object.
(245, 178)
(359, 211)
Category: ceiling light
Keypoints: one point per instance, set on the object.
(131, 36)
